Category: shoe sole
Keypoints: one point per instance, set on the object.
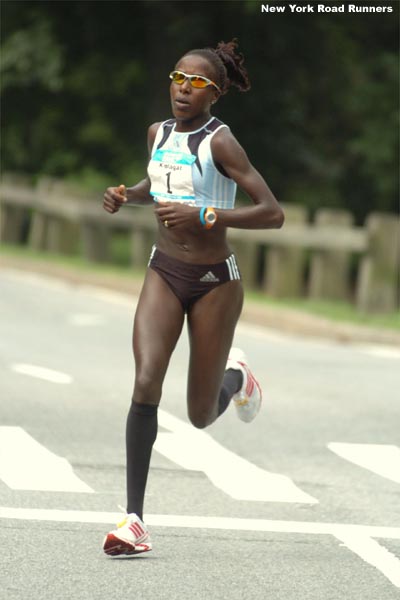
(114, 546)
(243, 416)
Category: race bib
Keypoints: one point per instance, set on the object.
(170, 173)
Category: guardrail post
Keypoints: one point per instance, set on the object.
(141, 243)
(63, 236)
(39, 224)
(378, 286)
(13, 219)
(49, 232)
(284, 266)
(95, 241)
(329, 269)
(247, 256)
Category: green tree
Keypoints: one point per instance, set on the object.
(82, 80)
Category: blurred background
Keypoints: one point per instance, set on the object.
(82, 80)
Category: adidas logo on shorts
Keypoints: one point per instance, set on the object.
(209, 277)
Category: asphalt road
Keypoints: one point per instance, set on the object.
(302, 504)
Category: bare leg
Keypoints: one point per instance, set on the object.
(157, 327)
(158, 324)
(212, 321)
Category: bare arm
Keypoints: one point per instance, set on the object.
(265, 213)
(137, 195)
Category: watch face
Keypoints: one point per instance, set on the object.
(210, 217)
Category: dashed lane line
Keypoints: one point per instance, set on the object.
(86, 320)
(41, 373)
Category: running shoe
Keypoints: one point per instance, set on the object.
(130, 537)
(248, 399)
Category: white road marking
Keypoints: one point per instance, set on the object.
(86, 320)
(197, 451)
(197, 522)
(42, 373)
(374, 554)
(382, 459)
(356, 538)
(27, 465)
(381, 351)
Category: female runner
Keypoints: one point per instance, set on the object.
(194, 168)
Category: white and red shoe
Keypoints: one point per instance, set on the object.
(130, 537)
(248, 399)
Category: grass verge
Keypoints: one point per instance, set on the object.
(333, 310)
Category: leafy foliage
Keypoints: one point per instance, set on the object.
(82, 80)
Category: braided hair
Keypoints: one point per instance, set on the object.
(228, 65)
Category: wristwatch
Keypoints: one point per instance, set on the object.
(210, 218)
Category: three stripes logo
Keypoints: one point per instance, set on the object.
(137, 531)
(232, 267)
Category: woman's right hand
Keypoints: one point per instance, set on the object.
(114, 198)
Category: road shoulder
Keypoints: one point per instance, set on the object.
(283, 319)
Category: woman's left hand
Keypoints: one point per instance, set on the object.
(177, 215)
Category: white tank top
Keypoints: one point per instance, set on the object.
(182, 169)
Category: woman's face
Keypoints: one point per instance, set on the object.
(191, 106)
